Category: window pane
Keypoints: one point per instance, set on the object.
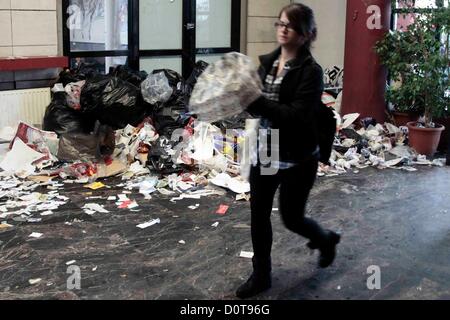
(213, 23)
(160, 24)
(154, 63)
(100, 64)
(98, 25)
(209, 58)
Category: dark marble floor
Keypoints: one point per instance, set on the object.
(396, 220)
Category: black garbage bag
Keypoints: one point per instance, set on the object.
(199, 68)
(113, 101)
(131, 76)
(92, 93)
(170, 115)
(61, 118)
(160, 161)
(82, 72)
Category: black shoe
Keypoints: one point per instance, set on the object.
(253, 286)
(327, 250)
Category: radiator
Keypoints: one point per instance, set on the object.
(23, 105)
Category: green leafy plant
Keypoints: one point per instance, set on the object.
(417, 59)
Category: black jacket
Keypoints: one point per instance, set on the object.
(294, 114)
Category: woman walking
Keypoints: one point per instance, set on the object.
(293, 86)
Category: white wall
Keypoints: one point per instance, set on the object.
(331, 21)
(28, 28)
(261, 36)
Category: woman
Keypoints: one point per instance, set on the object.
(293, 86)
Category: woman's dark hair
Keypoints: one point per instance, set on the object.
(302, 19)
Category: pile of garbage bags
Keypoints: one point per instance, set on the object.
(123, 97)
(103, 124)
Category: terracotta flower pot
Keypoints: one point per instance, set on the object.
(424, 140)
(402, 118)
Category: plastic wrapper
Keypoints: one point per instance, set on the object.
(73, 91)
(178, 99)
(226, 88)
(156, 89)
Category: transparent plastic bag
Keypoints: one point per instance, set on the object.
(156, 88)
(226, 88)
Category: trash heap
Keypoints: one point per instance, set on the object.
(137, 127)
(370, 144)
(131, 125)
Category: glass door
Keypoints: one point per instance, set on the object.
(161, 34)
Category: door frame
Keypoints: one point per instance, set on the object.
(188, 52)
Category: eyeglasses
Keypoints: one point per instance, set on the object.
(280, 24)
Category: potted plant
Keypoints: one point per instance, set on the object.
(417, 59)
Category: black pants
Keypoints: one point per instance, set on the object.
(295, 185)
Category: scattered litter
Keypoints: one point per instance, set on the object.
(20, 159)
(36, 235)
(4, 225)
(112, 198)
(243, 196)
(236, 185)
(246, 254)
(95, 186)
(182, 242)
(95, 208)
(215, 225)
(127, 204)
(94, 269)
(34, 281)
(70, 262)
(46, 213)
(194, 207)
(241, 226)
(222, 209)
(149, 224)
